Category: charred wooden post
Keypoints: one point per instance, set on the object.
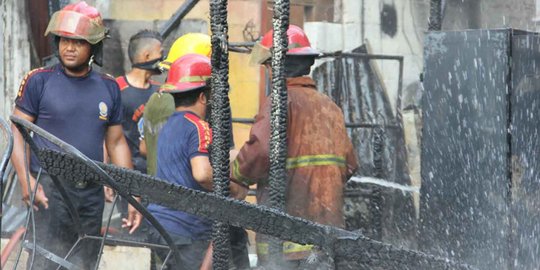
(278, 118)
(220, 120)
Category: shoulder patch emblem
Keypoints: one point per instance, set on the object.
(25, 79)
(203, 130)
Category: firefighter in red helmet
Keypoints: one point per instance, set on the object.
(81, 107)
(81, 22)
(298, 45)
(320, 158)
(183, 157)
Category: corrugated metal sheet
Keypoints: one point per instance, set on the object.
(356, 87)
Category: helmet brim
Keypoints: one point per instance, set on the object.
(303, 51)
(70, 24)
(261, 54)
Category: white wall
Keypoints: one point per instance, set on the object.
(537, 17)
(14, 52)
(359, 21)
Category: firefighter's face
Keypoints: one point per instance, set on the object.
(74, 53)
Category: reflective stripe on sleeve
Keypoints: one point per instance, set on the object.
(315, 160)
(238, 176)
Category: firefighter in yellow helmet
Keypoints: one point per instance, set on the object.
(157, 111)
(161, 105)
(196, 43)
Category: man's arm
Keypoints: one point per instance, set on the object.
(252, 162)
(202, 173)
(18, 161)
(120, 155)
(117, 147)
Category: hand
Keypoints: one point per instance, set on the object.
(238, 192)
(39, 198)
(232, 154)
(109, 194)
(133, 220)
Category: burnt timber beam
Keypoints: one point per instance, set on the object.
(351, 250)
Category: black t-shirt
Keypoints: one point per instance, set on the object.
(133, 102)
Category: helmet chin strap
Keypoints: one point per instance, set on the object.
(91, 61)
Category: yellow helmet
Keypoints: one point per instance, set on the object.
(196, 43)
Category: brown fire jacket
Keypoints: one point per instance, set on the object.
(320, 155)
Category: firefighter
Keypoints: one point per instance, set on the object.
(161, 105)
(320, 159)
(145, 54)
(83, 108)
(197, 43)
(136, 86)
(183, 158)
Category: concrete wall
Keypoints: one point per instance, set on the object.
(14, 52)
(397, 28)
(388, 27)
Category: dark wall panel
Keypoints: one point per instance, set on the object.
(480, 165)
(525, 145)
(465, 150)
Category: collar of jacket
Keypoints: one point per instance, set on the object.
(303, 81)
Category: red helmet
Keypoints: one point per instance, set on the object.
(187, 73)
(298, 44)
(78, 21)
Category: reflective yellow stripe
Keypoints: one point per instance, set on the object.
(238, 176)
(262, 248)
(194, 78)
(288, 247)
(315, 160)
(168, 87)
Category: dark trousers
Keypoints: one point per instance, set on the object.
(192, 252)
(56, 230)
(239, 250)
(191, 255)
